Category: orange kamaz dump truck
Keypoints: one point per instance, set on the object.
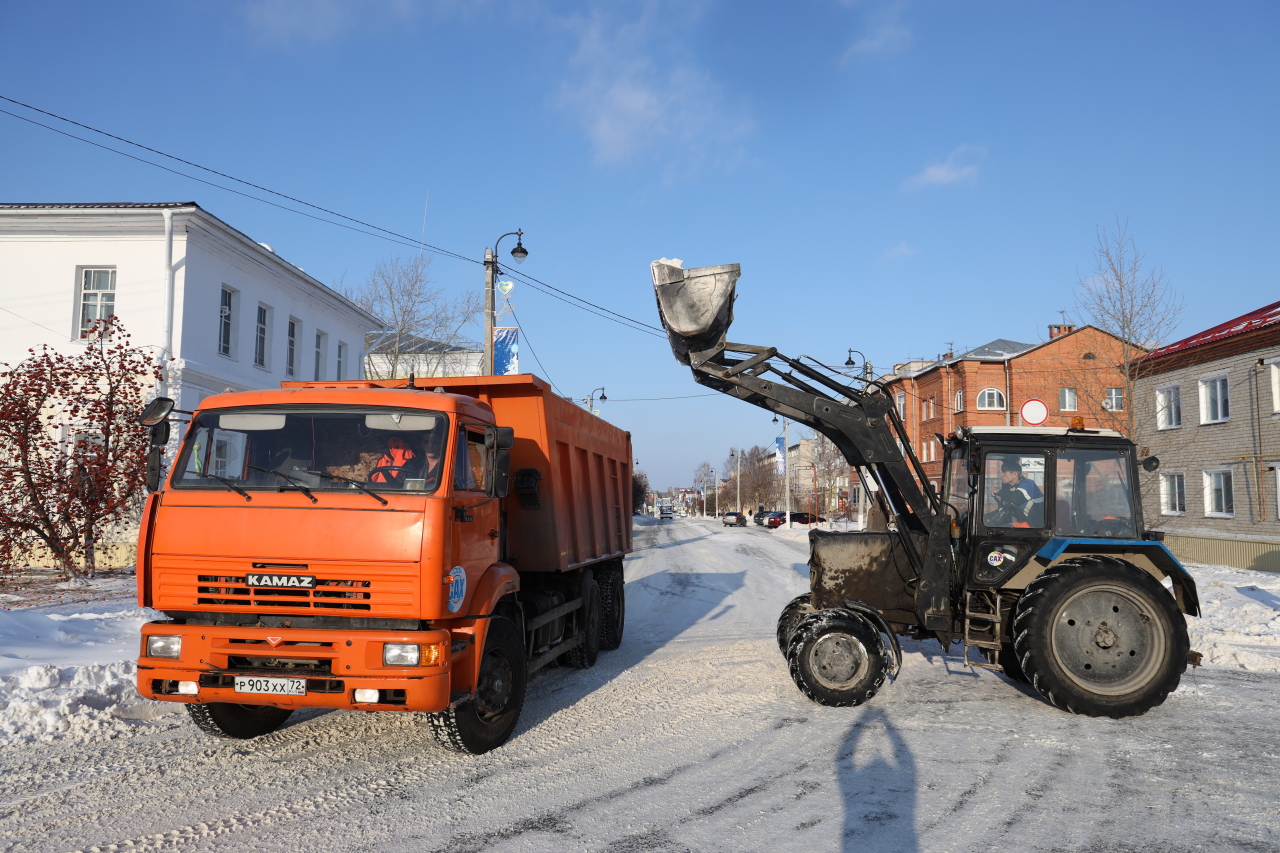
(377, 546)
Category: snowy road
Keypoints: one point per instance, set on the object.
(690, 737)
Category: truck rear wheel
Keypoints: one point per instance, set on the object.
(613, 608)
(229, 720)
(796, 609)
(583, 656)
(837, 658)
(1099, 636)
(485, 721)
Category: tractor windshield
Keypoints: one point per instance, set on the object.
(1094, 494)
(337, 448)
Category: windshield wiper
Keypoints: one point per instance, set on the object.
(295, 483)
(359, 486)
(228, 483)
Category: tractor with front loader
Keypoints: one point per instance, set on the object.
(1033, 554)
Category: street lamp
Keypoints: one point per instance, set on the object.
(591, 399)
(519, 253)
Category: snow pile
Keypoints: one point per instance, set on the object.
(72, 673)
(1240, 618)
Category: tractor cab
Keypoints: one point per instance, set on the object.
(1014, 490)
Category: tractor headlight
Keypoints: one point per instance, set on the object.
(400, 654)
(164, 647)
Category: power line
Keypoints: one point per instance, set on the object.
(646, 399)
(385, 234)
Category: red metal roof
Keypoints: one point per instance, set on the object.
(1261, 318)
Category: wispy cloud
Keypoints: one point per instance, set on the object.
(884, 34)
(639, 95)
(313, 22)
(959, 167)
(902, 250)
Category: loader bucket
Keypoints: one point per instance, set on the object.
(696, 305)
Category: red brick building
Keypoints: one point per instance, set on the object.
(1078, 372)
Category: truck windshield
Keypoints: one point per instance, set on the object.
(316, 449)
(1094, 496)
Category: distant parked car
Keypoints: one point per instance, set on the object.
(776, 519)
(734, 519)
(805, 518)
(760, 516)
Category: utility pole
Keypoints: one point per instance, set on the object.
(490, 309)
(738, 476)
(786, 465)
(715, 475)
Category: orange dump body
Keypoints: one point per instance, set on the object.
(279, 586)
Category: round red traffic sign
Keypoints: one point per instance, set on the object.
(1034, 412)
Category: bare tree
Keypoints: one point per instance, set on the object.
(1139, 307)
(639, 489)
(704, 478)
(426, 324)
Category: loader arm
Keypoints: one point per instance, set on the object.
(696, 310)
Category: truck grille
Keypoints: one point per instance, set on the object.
(278, 666)
(329, 594)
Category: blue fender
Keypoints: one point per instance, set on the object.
(1184, 586)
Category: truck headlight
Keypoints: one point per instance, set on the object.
(400, 654)
(164, 647)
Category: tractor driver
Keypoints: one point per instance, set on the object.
(1021, 500)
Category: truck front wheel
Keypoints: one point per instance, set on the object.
(228, 720)
(485, 721)
(837, 658)
(1099, 636)
(613, 608)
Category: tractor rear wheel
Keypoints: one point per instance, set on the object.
(231, 720)
(796, 609)
(1099, 636)
(837, 658)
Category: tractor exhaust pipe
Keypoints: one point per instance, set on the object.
(696, 305)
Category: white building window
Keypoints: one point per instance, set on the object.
(1169, 407)
(342, 360)
(1273, 368)
(262, 336)
(97, 298)
(959, 401)
(226, 323)
(291, 349)
(1215, 400)
(1114, 401)
(900, 399)
(1219, 497)
(320, 348)
(1067, 400)
(990, 398)
(1173, 494)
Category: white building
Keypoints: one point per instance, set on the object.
(220, 310)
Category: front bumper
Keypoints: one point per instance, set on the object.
(333, 663)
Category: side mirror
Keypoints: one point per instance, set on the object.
(160, 434)
(1151, 463)
(499, 438)
(153, 469)
(156, 411)
(499, 474)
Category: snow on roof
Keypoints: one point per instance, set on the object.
(1259, 319)
(97, 205)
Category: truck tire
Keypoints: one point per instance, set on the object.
(485, 721)
(230, 720)
(796, 609)
(613, 608)
(837, 658)
(1099, 636)
(583, 656)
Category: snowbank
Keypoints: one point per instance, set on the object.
(1240, 618)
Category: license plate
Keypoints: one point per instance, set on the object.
(275, 686)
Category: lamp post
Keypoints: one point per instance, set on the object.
(591, 399)
(738, 477)
(519, 253)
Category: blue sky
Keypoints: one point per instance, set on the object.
(892, 176)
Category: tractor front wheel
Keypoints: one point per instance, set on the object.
(796, 609)
(1099, 636)
(837, 658)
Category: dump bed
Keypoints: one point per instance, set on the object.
(570, 499)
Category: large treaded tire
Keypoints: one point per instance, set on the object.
(241, 722)
(1098, 636)
(837, 658)
(796, 609)
(583, 656)
(487, 720)
(613, 608)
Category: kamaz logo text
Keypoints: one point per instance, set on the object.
(290, 581)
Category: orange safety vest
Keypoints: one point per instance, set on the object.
(398, 453)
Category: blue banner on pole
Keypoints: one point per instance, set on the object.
(780, 457)
(506, 351)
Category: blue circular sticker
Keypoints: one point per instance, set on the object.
(457, 588)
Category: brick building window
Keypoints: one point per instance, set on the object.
(990, 398)
(900, 399)
(1215, 400)
(1173, 494)
(1219, 496)
(1114, 401)
(1067, 399)
(1168, 407)
(959, 401)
